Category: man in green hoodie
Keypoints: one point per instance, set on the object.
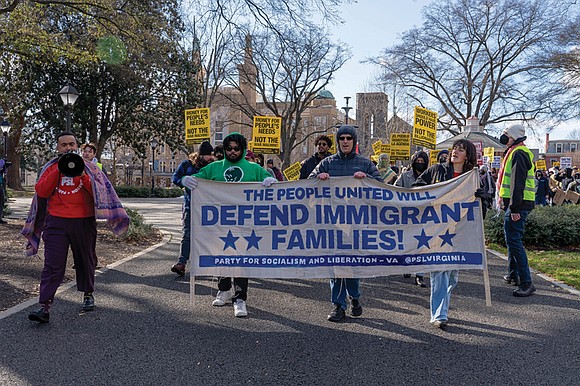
(233, 168)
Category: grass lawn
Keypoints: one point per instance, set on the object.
(561, 265)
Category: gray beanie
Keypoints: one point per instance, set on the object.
(516, 131)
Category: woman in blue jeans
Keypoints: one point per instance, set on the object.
(463, 159)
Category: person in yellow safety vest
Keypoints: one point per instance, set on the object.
(516, 191)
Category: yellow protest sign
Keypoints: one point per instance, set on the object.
(424, 127)
(292, 172)
(433, 157)
(489, 152)
(541, 164)
(400, 146)
(377, 147)
(375, 158)
(197, 126)
(266, 135)
(332, 149)
(386, 148)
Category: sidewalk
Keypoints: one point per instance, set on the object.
(144, 331)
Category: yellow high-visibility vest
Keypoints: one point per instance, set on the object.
(506, 182)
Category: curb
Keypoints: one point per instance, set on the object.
(167, 237)
(555, 282)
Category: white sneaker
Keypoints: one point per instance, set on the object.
(222, 298)
(240, 308)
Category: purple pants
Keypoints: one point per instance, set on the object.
(59, 233)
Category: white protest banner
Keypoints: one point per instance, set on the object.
(565, 162)
(341, 227)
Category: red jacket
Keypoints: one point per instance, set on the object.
(69, 197)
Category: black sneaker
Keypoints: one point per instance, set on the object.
(88, 303)
(41, 316)
(420, 281)
(355, 307)
(441, 324)
(512, 280)
(337, 315)
(179, 269)
(525, 290)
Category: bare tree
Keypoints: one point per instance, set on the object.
(288, 71)
(574, 134)
(475, 58)
(559, 82)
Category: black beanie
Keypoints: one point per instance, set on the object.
(205, 148)
(237, 138)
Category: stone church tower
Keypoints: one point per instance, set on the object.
(371, 116)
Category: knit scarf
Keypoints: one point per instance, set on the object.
(506, 156)
(107, 207)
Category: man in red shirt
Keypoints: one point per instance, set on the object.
(70, 221)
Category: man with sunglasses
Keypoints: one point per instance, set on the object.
(345, 163)
(233, 168)
(323, 144)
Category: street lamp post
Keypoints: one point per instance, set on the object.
(346, 110)
(5, 125)
(153, 144)
(69, 96)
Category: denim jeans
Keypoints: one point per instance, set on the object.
(339, 288)
(442, 283)
(184, 249)
(514, 235)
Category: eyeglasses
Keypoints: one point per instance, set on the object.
(345, 138)
(322, 144)
(230, 148)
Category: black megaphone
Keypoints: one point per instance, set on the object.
(71, 164)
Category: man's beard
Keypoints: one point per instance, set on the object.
(201, 162)
(235, 159)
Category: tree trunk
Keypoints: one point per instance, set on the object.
(13, 176)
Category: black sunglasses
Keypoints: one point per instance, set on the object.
(345, 138)
(230, 148)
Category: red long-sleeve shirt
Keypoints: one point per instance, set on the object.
(69, 197)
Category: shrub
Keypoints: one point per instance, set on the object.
(138, 230)
(139, 191)
(547, 226)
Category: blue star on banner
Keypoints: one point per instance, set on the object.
(423, 239)
(447, 238)
(253, 240)
(230, 241)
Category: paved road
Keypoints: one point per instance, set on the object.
(145, 332)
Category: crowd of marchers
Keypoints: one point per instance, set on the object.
(512, 187)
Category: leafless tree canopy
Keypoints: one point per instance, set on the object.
(479, 58)
(289, 70)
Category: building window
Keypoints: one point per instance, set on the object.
(558, 148)
(573, 147)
